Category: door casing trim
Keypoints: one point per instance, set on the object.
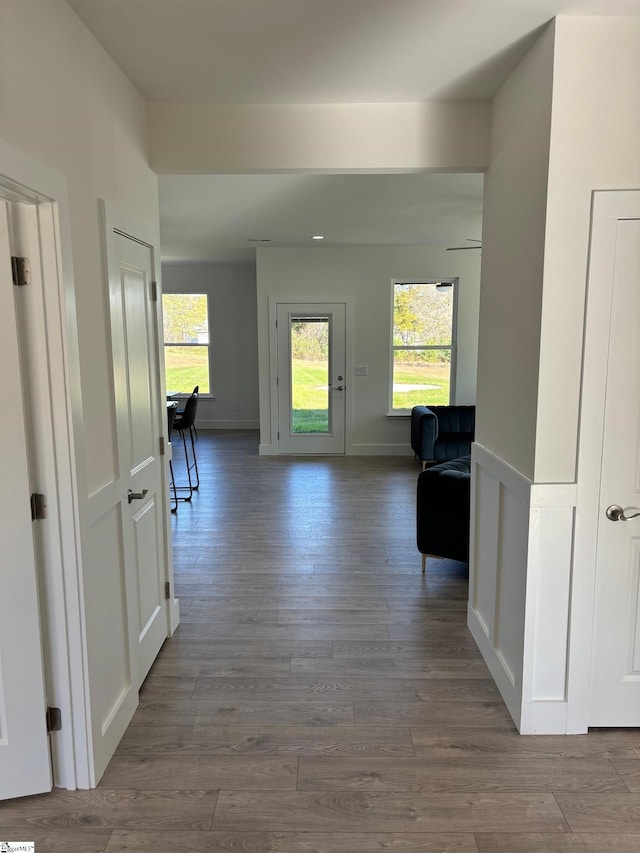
(272, 449)
(25, 180)
(113, 219)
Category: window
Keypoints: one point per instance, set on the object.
(423, 344)
(186, 341)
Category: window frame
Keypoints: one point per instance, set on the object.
(180, 395)
(403, 413)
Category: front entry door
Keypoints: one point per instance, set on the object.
(137, 391)
(615, 699)
(24, 744)
(311, 377)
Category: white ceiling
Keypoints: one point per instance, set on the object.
(211, 217)
(322, 51)
(319, 51)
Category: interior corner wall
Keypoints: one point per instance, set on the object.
(595, 145)
(233, 339)
(514, 217)
(513, 561)
(363, 275)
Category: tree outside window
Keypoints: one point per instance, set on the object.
(423, 345)
(186, 341)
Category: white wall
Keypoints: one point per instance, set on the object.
(363, 275)
(72, 109)
(203, 138)
(513, 228)
(64, 103)
(595, 145)
(233, 339)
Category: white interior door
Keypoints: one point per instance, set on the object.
(615, 698)
(141, 468)
(311, 377)
(24, 746)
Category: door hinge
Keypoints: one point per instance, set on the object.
(38, 507)
(167, 590)
(54, 720)
(278, 436)
(162, 447)
(154, 291)
(20, 271)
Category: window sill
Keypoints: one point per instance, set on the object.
(398, 415)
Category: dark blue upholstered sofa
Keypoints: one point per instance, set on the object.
(442, 433)
(443, 510)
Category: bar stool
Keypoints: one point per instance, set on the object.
(180, 412)
(182, 424)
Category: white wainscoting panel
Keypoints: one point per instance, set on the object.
(114, 697)
(520, 580)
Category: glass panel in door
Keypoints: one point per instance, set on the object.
(309, 341)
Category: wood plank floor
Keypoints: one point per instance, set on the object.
(322, 696)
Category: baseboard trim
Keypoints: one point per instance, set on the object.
(227, 424)
(379, 450)
(174, 615)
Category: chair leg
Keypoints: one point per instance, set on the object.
(195, 458)
(173, 487)
(188, 488)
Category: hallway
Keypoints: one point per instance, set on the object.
(322, 696)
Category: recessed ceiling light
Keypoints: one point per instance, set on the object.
(318, 237)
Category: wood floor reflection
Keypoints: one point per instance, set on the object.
(322, 696)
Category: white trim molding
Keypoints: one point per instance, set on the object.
(28, 181)
(519, 588)
(363, 449)
(113, 218)
(269, 444)
(205, 424)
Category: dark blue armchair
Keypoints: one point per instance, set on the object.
(443, 510)
(442, 433)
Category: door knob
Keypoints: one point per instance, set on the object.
(137, 496)
(616, 513)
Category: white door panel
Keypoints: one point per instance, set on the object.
(312, 388)
(150, 599)
(24, 745)
(141, 466)
(615, 699)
